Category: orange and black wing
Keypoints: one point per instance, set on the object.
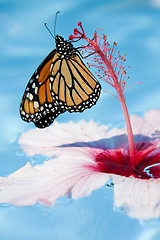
(37, 103)
(58, 84)
(72, 84)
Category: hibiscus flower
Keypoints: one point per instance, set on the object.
(85, 156)
(84, 161)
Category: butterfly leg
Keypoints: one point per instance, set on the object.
(87, 55)
(86, 45)
(83, 47)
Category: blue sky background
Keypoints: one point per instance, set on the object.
(24, 42)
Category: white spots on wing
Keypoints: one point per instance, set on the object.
(22, 112)
(29, 96)
(33, 85)
(51, 79)
(36, 104)
(31, 81)
(36, 90)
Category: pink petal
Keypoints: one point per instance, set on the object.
(67, 138)
(51, 180)
(147, 125)
(47, 141)
(139, 198)
(75, 171)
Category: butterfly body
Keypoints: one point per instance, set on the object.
(61, 83)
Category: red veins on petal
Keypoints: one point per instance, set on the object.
(116, 161)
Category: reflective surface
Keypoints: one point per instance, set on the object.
(24, 42)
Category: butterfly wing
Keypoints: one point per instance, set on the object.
(59, 84)
(37, 103)
(73, 84)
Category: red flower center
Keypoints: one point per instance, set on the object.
(117, 161)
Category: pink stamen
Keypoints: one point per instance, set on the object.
(113, 72)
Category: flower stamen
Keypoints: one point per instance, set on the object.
(112, 70)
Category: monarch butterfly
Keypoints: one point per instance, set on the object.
(61, 83)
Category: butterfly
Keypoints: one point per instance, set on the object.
(61, 83)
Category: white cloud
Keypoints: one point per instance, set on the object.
(9, 25)
(155, 3)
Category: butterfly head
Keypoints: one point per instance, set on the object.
(65, 48)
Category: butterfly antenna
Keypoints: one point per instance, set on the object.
(49, 30)
(55, 22)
